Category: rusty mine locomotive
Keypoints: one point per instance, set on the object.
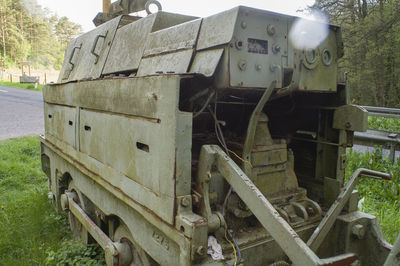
(177, 140)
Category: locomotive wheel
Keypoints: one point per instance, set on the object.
(136, 255)
(79, 232)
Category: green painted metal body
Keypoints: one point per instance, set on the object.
(139, 101)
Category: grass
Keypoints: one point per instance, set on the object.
(25, 86)
(31, 232)
(380, 198)
(383, 123)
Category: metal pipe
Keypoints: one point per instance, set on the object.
(384, 110)
(106, 6)
(101, 238)
(327, 222)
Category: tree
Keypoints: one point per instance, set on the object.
(29, 32)
(371, 33)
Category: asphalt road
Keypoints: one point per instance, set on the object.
(21, 113)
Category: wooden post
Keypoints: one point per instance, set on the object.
(106, 6)
(45, 78)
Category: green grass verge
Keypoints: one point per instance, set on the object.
(26, 86)
(31, 232)
(380, 198)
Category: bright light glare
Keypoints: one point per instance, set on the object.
(309, 32)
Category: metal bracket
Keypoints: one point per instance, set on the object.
(72, 55)
(96, 40)
(251, 130)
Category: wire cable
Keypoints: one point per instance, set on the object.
(230, 242)
(221, 139)
(204, 106)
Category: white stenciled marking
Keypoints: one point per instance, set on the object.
(3, 91)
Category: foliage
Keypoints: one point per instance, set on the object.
(371, 36)
(383, 123)
(30, 33)
(31, 232)
(26, 86)
(380, 198)
(76, 253)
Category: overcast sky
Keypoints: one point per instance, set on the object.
(83, 11)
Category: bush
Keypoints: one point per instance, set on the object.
(76, 253)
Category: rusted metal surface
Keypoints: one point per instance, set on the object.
(101, 238)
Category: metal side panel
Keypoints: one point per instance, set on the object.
(59, 122)
(167, 63)
(97, 95)
(256, 57)
(182, 36)
(128, 46)
(206, 62)
(217, 29)
(133, 146)
(321, 75)
(90, 52)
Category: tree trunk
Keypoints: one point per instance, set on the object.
(3, 33)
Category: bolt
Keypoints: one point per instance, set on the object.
(239, 44)
(358, 230)
(243, 24)
(242, 65)
(201, 251)
(276, 48)
(258, 67)
(310, 211)
(271, 30)
(185, 202)
(348, 125)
